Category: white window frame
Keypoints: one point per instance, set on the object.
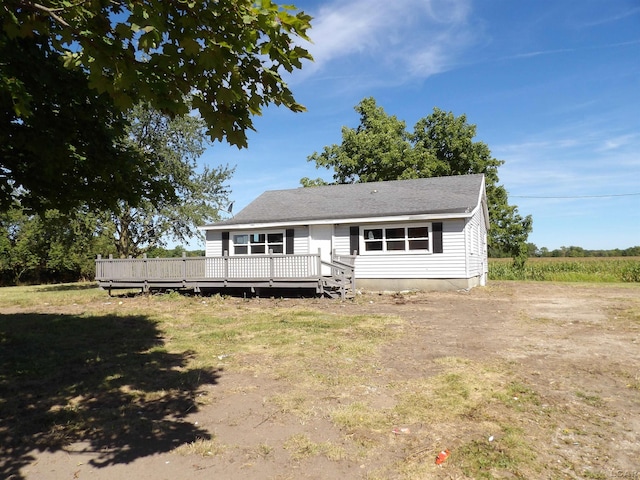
(386, 241)
(249, 243)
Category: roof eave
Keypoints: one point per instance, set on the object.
(330, 221)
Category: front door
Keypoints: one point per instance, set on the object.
(320, 237)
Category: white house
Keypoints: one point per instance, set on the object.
(422, 234)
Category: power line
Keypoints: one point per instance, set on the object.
(578, 196)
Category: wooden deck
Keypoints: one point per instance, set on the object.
(228, 272)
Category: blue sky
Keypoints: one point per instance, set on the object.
(552, 86)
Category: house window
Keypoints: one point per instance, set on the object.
(396, 239)
(258, 243)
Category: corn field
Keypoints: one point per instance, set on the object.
(576, 269)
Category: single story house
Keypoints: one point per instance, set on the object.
(420, 234)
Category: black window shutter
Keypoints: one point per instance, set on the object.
(354, 240)
(436, 229)
(289, 241)
(225, 242)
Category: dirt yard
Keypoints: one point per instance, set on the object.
(575, 348)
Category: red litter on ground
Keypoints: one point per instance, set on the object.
(442, 456)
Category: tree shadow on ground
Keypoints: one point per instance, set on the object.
(104, 382)
(69, 287)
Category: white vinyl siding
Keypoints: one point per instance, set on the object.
(476, 244)
(301, 240)
(450, 264)
(213, 244)
(341, 240)
(464, 250)
(480, 252)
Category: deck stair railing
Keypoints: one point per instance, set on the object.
(342, 281)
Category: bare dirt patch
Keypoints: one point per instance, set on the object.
(545, 376)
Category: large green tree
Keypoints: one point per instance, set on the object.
(174, 144)
(381, 148)
(69, 71)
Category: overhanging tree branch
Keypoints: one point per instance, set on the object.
(48, 10)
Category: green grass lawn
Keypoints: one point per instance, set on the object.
(121, 374)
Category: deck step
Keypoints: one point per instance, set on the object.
(337, 287)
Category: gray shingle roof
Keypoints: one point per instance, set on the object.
(455, 194)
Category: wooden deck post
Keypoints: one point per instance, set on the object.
(184, 267)
(145, 287)
(225, 256)
(98, 267)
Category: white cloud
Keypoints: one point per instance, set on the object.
(536, 146)
(620, 141)
(539, 53)
(579, 160)
(613, 17)
(400, 38)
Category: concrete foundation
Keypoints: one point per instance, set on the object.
(417, 284)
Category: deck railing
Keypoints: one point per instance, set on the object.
(257, 271)
(268, 266)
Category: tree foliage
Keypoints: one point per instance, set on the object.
(575, 251)
(48, 247)
(441, 144)
(230, 53)
(69, 71)
(66, 151)
(174, 145)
